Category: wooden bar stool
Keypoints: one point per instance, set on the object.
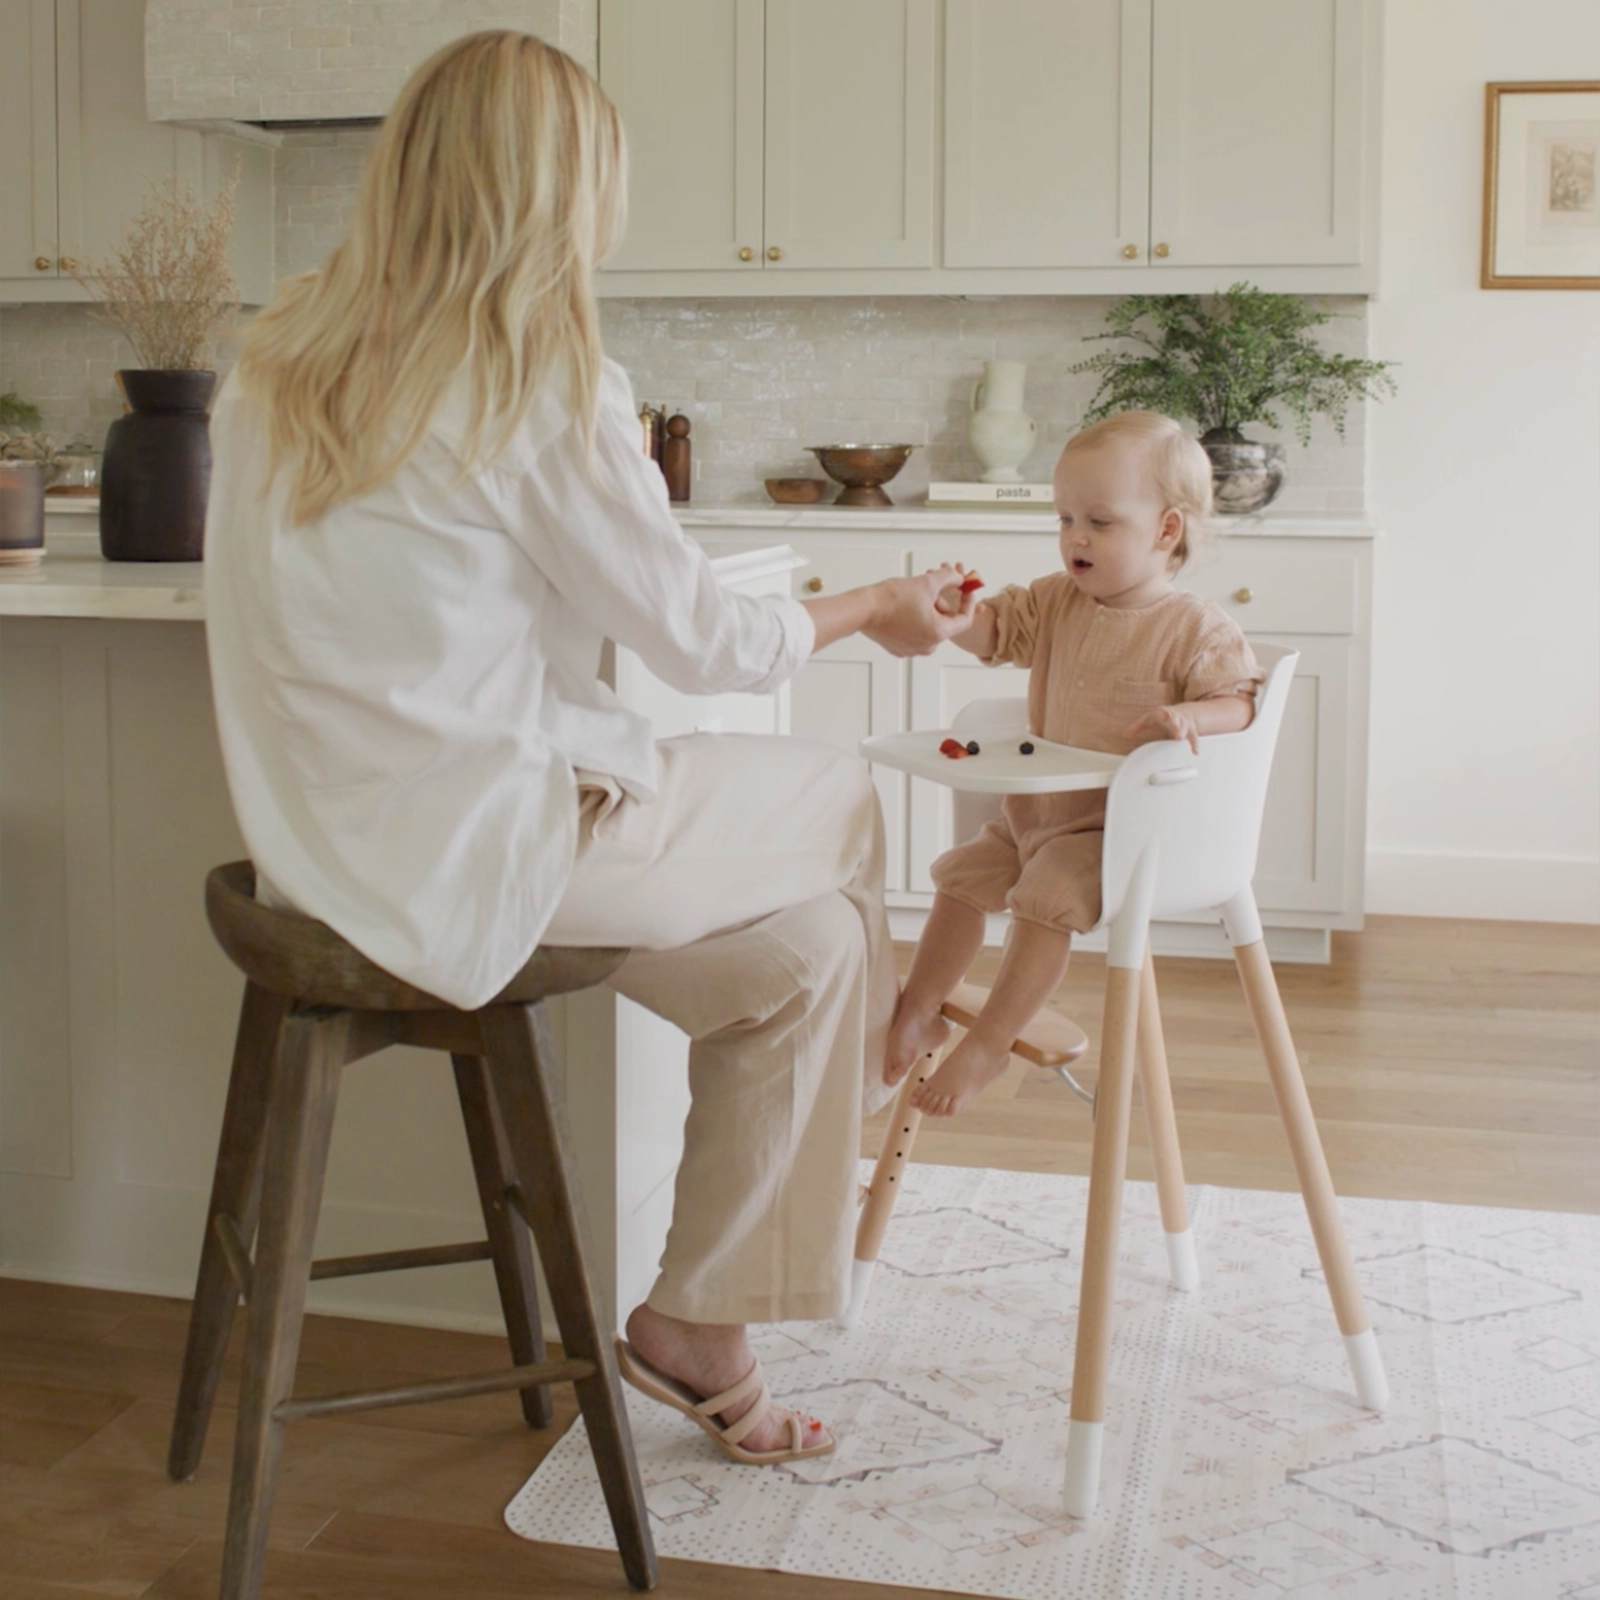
(312, 1004)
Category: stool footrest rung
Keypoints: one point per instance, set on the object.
(433, 1255)
(416, 1394)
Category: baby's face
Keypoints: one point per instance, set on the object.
(1117, 535)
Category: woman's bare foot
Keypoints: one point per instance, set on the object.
(914, 1033)
(963, 1075)
(710, 1357)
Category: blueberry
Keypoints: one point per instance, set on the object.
(1025, 748)
(972, 747)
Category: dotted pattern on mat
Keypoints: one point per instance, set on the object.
(1237, 1463)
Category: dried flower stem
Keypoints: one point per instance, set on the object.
(168, 284)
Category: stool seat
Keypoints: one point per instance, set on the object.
(313, 1004)
(288, 954)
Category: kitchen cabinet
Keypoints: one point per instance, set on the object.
(1304, 583)
(1230, 134)
(81, 153)
(768, 136)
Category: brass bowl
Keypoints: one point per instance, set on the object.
(863, 469)
(797, 491)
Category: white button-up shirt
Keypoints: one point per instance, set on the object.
(407, 688)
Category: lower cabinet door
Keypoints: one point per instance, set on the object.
(941, 684)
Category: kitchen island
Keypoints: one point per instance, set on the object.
(117, 1010)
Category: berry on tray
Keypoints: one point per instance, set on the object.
(1026, 747)
(972, 747)
(952, 748)
(970, 582)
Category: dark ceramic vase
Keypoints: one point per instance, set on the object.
(157, 469)
(1244, 475)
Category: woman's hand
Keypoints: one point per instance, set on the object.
(906, 616)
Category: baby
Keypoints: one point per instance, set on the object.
(1117, 657)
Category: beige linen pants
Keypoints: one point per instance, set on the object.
(751, 893)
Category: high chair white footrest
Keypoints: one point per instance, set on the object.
(1182, 1263)
(1085, 1441)
(1366, 1367)
(860, 1288)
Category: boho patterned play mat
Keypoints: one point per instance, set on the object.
(1237, 1463)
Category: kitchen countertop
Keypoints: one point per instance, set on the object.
(75, 580)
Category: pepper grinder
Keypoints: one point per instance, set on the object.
(675, 457)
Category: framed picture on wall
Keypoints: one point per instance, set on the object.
(1541, 186)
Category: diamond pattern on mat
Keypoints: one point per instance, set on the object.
(1283, 1556)
(948, 1241)
(1464, 1498)
(973, 1517)
(1438, 1284)
(879, 1429)
(1295, 1409)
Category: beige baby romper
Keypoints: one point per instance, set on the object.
(1094, 670)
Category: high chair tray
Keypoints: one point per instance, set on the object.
(999, 766)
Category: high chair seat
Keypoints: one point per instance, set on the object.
(1181, 835)
(312, 1005)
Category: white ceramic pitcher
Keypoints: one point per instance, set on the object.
(1001, 433)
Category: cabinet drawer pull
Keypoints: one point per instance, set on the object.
(42, 263)
(1163, 251)
(1243, 596)
(1130, 252)
(814, 585)
(774, 253)
(69, 264)
(746, 253)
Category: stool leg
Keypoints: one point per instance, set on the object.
(235, 1194)
(522, 1070)
(299, 1128)
(508, 1239)
(893, 1154)
(1162, 1123)
(1316, 1184)
(1108, 1165)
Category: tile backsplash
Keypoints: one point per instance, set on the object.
(760, 379)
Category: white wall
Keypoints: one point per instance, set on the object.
(1485, 472)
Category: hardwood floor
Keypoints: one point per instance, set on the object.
(1447, 1061)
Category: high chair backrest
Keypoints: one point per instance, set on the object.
(1200, 816)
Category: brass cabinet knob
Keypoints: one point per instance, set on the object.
(69, 263)
(814, 585)
(746, 253)
(774, 253)
(1130, 252)
(42, 263)
(1163, 251)
(1243, 596)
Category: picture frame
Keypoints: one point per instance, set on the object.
(1541, 186)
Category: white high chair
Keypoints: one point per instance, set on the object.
(1181, 836)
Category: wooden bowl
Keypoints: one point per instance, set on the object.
(797, 491)
(862, 469)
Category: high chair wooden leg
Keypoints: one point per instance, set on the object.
(1108, 1165)
(1162, 1125)
(1316, 1185)
(893, 1154)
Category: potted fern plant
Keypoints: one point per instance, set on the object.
(1224, 361)
(169, 288)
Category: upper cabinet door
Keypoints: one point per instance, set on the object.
(850, 93)
(28, 138)
(687, 78)
(1047, 132)
(1257, 132)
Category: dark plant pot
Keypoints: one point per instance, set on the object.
(157, 469)
(1244, 475)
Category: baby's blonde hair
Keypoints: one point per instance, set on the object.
(497, 183)
(1179, 467)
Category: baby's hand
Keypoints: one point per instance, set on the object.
(1166, 722)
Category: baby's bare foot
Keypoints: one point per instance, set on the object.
(912, 1035)
(962, 1076)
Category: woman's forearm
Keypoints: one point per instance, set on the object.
(837, 616)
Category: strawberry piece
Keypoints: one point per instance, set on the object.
(952, 748)
(970, 582)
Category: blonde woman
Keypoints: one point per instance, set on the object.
(428, 510)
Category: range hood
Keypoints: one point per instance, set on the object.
(321, 61)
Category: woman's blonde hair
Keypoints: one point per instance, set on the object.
(1179, 467)
(496, 185)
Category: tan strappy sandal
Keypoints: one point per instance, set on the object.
(682, 1398)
